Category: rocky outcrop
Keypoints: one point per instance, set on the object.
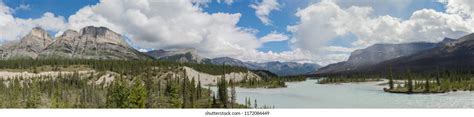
(29, 47)
(188, 55)
(90, 43)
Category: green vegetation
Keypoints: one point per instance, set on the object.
(127, 67)
(348, 79)
(409, 82)
(439, 82)
(265, 83)
(73, 91)
(269, 82)
(111, 84)
(123, 84)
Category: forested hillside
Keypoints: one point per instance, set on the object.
(112, 84)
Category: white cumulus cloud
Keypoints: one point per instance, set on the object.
(24, 7)
(181, 24)
(273, 36)
(264, 8)
(12, 28)
(323, 22)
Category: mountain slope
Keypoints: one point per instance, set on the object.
(278, 68)
(91, 43)
(28, 47)
(456, 55)
(375, 54)
(227, 61)
(180, 55)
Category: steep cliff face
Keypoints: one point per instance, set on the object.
(29, 46)
(91, 43)
(188, 55)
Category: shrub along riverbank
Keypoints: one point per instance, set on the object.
(412, 83)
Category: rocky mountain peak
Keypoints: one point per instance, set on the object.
(96, 31)
(102, 35)
(70, 33)
(90, 43)
(446, 42)
(178, 55)
(187, 50)
(39, 33)
(468, 37)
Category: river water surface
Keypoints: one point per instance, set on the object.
(309, 94)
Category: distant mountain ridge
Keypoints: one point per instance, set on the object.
(90, 43)
(449, 54)
(375, 54)
(188, 55)
(457, 55)
(191, 56)
(276, 67)
(104, 44)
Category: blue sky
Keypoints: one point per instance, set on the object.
(281, 20)
(63, 8)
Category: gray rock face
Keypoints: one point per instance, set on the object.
(227, 61)
(90, 43)
(179, 55)
(375, 54)
(28, 47)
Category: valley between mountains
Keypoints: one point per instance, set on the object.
(97, 68)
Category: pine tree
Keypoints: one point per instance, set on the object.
(409, 83)
(199, 89)
(173, 92)
(138, 95)
(55, 100)
(390, 79)
(255, 104)
(233, 97)
(34, 97)
(214, 102)
(185, 92)
(437, 77)
(192, 96)
(222, 92)
(427, 86)
(149, 85)
(117, 96)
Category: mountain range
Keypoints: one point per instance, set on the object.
(449, 54)
(187, 55)
(102, 43)
(276, 67)
(89, 43)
